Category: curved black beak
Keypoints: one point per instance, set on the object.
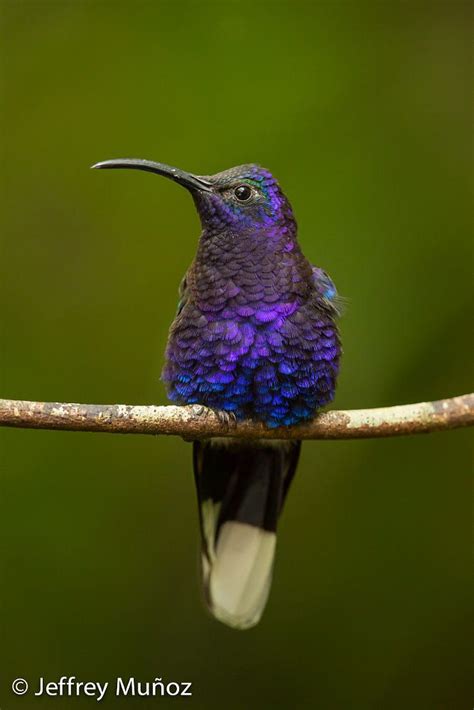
(188, 180)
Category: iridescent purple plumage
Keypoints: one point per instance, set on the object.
(255, 332)
(255, 335)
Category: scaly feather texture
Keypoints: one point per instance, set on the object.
(255, 332)
(254, 336)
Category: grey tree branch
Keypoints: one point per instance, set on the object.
(195, 421)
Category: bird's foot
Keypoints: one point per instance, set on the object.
(227, 418)
(223, 417)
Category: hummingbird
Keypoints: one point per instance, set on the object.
(254, 337)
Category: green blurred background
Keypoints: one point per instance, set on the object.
(362, 111)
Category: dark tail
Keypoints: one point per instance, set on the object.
(241, 488)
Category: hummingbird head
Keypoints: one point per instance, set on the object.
(246, 197)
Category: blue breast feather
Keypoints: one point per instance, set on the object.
(277, 364)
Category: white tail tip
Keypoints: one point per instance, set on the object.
(238, 578)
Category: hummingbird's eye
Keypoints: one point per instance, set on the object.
(243, 193)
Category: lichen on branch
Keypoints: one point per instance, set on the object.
(196, 421)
